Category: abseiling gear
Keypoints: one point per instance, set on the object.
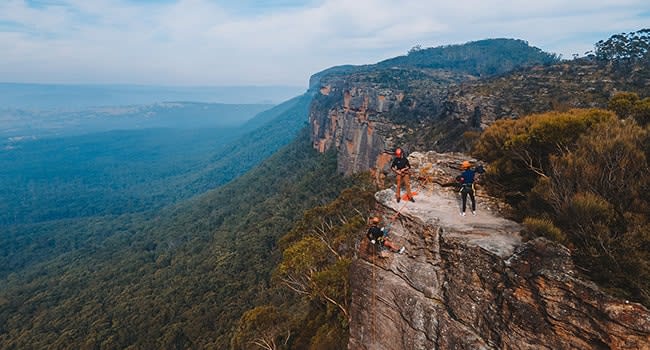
(376, 234)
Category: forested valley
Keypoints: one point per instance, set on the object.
(46, 246)
(123, 171)
(176, 278)
(249, 240)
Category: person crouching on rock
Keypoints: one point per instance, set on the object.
(377, 237)
(401, 168)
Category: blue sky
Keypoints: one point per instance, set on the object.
(255, 42)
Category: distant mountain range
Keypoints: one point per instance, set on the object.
(473, 59)
(71, 96)
(20, 124)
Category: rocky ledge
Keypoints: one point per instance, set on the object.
(471, 283)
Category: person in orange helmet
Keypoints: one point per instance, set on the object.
(401, 167)
(377, 236)
(466, 180)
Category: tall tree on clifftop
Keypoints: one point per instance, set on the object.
(633, 45)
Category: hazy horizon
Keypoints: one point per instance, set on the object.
(75, 96)
(225, 43)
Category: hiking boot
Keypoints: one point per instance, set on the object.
(401, 250)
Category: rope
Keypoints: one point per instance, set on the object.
(373, 320)
(372, 303)
(394, 217)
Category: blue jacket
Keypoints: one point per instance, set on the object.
(467, 176)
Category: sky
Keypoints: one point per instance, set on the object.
(283, 42)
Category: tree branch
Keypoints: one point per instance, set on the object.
(341, 307)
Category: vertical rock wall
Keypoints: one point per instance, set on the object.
(349, 119)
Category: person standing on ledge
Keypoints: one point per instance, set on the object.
(466, 180)
(401, 167)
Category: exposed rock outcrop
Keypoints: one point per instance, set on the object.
(361, 114)
(352, 125)
(470, 283)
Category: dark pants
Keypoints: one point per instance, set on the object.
(468, 190)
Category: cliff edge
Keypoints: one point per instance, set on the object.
(472, 283)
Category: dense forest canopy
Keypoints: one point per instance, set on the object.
(479, 58)
(112, 263)
(125, 171)
(311, 282)
(625, 46)
(180, 277)
(483, 57)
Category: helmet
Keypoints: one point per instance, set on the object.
(376, 220)
(398, 152)
(465, 165)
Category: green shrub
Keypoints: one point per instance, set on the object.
(580, 178)
(535, 227)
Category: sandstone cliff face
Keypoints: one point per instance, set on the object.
(470, 283)
(362, 114)
(349, 120)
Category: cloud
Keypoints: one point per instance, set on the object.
(205, 42)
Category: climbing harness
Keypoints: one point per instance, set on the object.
(466, 188)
